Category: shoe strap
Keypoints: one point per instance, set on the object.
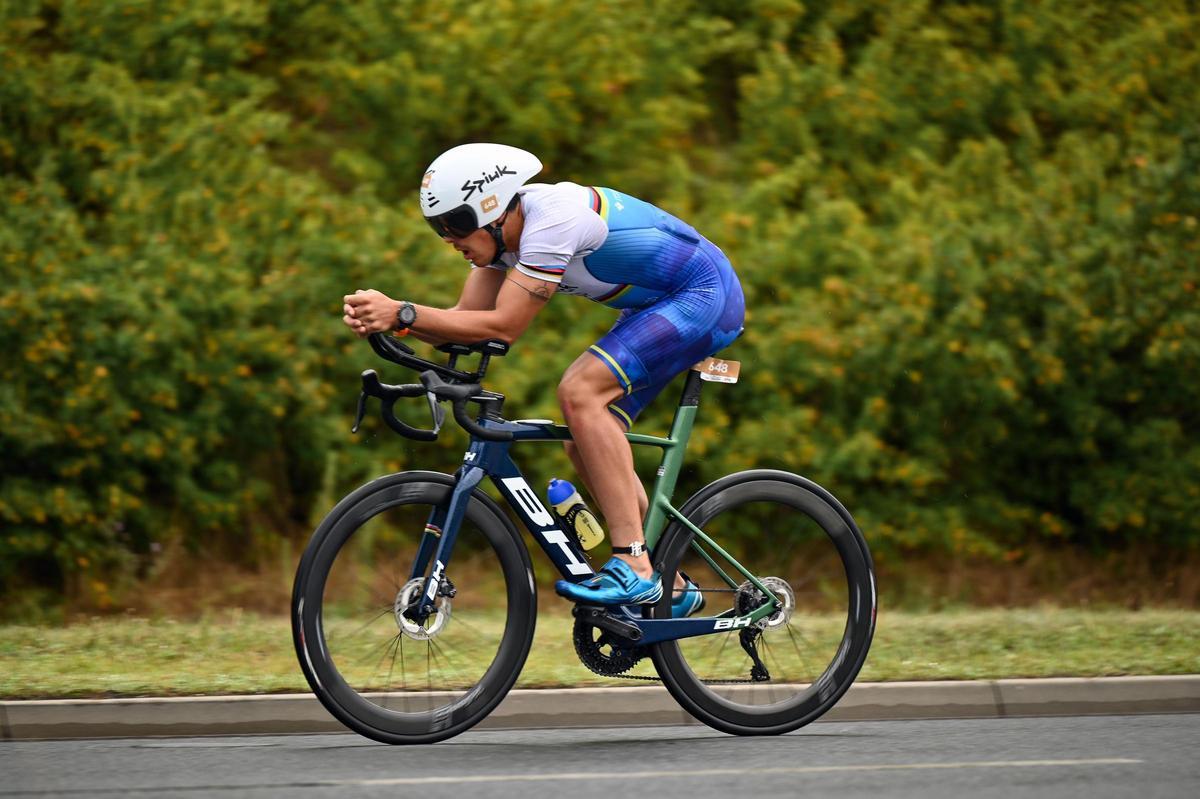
(620, 571)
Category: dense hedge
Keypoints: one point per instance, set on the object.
(968, 234)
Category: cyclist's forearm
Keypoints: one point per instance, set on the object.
(427, 338)
(430, 338)
(464, 327)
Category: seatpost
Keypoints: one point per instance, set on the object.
(672, 459)
(691, 389)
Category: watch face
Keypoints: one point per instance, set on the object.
(408, 314)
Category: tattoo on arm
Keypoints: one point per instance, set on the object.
(542, 292)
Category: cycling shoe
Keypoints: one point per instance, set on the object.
(689, 600)
(615, 584)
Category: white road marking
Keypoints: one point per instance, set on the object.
(736, 772)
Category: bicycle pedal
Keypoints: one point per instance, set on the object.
(599, 616)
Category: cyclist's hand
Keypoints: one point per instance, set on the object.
(370, 311)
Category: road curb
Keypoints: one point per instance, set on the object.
(589, 707)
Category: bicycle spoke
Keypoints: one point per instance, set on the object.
(468, 625)
(803, 653)
(457, 663)
(471, 646)
(773, 686)
(725, 639)
(779, 673)
(387, 686)
(435, 649)
(390, 647)
(369, 654)
(386, 611)
(403, 668)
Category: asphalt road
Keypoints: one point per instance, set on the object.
(1097, 756)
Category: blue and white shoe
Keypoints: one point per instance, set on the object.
(688, 601)
(615, 584)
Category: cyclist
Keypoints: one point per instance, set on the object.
(679, 298)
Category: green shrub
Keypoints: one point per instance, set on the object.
(967, 234)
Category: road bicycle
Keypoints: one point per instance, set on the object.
(414, 603)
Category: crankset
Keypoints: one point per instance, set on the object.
(600, 644)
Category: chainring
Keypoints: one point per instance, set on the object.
(605, 653)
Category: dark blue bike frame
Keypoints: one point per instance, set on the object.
(492, 459)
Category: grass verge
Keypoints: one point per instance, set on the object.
(235, 653)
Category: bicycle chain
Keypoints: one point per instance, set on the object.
(706, 682)
(622, 659)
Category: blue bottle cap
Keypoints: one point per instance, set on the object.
(559, 490)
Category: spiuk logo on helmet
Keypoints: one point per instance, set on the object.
(472, 186)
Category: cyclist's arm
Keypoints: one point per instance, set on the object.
(518, 300)
(480, 290)
(479, 293)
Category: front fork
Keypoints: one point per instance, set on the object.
(437, 542)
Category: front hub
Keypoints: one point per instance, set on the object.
(409, 596)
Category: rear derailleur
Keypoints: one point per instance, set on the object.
(748, 600)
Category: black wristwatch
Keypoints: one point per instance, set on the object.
(406, 316)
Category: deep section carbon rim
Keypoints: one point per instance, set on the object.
(385, 675)
(790, 667)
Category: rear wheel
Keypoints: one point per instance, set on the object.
(380, 673)
(790, 667)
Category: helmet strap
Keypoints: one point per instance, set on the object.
(497, 231)
(497, 228)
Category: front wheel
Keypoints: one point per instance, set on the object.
(376, 670)
(791, 666)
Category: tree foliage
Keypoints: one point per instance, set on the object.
(967, 233)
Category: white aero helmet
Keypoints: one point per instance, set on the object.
(472, 185)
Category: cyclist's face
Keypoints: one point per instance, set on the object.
(478, 247)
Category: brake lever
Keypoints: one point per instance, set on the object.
(362, 411)
(435, 408)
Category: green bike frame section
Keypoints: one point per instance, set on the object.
(661, 511)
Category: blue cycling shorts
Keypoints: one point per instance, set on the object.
(648, 347)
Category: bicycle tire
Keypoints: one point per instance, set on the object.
(709, 700)
(462, 707)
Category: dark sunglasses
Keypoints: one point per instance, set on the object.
(457, 223)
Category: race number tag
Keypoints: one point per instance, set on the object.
(718, 371)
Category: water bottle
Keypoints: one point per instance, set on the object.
(571, 509)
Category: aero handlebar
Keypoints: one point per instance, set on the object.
(439, 382)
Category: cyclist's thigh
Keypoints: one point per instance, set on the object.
(648, 347)
(592, 378)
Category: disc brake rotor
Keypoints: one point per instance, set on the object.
(409, 595)
(749, 599)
